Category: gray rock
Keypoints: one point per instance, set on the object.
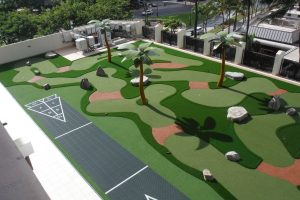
(275, 103)
(291, 111)
(85, 84)
(36, 72)
(238, 76)
(28, 63)
(207, 175)
(100, 72)
(136, 81)
(47, 86)
(232, 156)
(237, 113)
(50, 54)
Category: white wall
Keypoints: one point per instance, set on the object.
(31, 47)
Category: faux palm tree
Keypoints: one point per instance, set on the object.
(104, 27)
(222, 41)
(140, 56)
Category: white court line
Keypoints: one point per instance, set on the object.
(73, 130)
(136, 173)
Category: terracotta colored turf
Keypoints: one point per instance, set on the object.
(63, 69)
(290, 173)
(162, 133)
(97, 96)
(168, 65)
(35, 79)
(277, 92)
(198, 85)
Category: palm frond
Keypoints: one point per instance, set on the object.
(143, 46)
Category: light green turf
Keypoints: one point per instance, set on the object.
(154, 93)
(24, 74)
(58, 81)
(186, 75)
(292, 100)
(87, 62)
(105, 84)
(259, 135)
(230, 96)
(186, 183)
(243, 183)
(45, 67)
(176, 59)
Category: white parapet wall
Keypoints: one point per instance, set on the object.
(32, 47)
(277, 62)
(239, 53)
(158, 28)
(180, 38)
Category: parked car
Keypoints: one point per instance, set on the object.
(198, 30)
(147, 12)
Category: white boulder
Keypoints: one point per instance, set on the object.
(236, 113)
(238, 76)
(275, 103)
(50, 54)
(232, 156)
(136, 81)
(291, 111)
(207, 175)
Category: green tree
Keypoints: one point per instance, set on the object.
(140, 56)
(172, 23)
(206, 11)
(104, 27)
(222, 41)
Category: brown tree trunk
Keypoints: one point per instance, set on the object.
(108, 48)
(220, 83)
(141, 85)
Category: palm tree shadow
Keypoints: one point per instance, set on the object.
(151, 107)
(117, 64)
(204, 133)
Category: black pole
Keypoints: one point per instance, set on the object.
(248, 22)
(157, 8)
(196, 19)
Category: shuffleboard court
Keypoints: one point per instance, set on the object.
(117, 172)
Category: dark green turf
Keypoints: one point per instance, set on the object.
(60, 61)
(256, 104)
(290, 138)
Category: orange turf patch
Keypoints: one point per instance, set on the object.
(198, 85)
(63, 69)
(168, 65)
(97, 96)
(290, 173)
(36, 79)
(162, 133)
(277, 92)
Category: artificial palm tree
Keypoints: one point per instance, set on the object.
(104, 27)
(222, 41)
(140, 56)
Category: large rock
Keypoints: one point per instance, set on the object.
(136, 81)
(237, 113)
(100, 72)
(50, 54)
(275, 103)
(85, 84)
(291, 111)
(207, 175)
(28, 63)
(36, 72)
(232, 156)
(47, 86)
(238, 76)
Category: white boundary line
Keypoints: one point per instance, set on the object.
(136, 173)
(73, 130)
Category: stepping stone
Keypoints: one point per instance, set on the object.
(136, 81)
(207, 175)
(237, 113)
(85, 84)
(232, 156)
(100, 72)
(275, 103)
(237, 76)
(291, 111)
(50, 54)
(47, 86)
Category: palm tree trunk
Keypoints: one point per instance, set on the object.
(108, 48)
(196, 19)
(220, 83)
(141, 85)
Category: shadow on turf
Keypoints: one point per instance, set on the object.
(205, 132)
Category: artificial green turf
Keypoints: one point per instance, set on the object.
(290, 137)
(60, 61)
(256, 104)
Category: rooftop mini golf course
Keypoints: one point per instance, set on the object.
(184, 128)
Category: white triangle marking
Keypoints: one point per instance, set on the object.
(149, 197)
